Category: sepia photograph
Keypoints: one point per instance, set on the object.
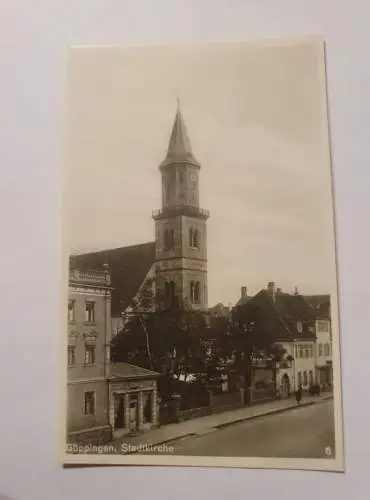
(199, 307)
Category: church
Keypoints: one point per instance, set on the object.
(172, 270)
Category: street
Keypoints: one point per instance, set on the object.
(306, 432)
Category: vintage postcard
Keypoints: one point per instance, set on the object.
(200, 311)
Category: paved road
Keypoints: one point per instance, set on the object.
(300, 433)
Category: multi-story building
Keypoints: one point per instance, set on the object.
(105, 399)
(290, 322)
(301, 327)
(89, 327)
(324, 369)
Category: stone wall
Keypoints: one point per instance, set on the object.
(91, 437)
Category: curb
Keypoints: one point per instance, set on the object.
(260, 415)
(237, 421)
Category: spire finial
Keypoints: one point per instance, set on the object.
(178, 99)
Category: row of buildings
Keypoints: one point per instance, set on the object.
(107, 399)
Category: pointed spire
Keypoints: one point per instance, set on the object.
(179, 147)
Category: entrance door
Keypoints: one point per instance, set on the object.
(285, 386)
(134, 410)
(119, 422)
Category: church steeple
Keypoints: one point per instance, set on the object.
(179, 147)
(181, 232)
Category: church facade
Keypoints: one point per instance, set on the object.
(181, 227)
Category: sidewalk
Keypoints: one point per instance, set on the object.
(203, 425)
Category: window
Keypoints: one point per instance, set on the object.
(71, 310)
(327, 349)
(299, 326)
(320, 350)
(90, 312)
(323, 326)
(193, 238)
(170, 291)
(89, 403)
(169, 239)
(71, 355)
(310, 377)
(296, 351)
(89, 355)
(195, 291)
(304, 378)
(299, 379)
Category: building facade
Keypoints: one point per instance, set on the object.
(180, 227)
(105, 399)
(89, 327)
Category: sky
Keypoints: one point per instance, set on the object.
(257, 121)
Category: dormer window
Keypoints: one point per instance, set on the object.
(299, 327)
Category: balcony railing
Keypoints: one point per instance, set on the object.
(93, 277)
(181, 210)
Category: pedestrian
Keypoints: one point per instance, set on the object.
(298, 395)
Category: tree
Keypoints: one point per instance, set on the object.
(163, 340)
(248, 337)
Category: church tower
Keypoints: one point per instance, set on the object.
(180, 232)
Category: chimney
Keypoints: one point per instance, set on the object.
(278, 290)
(271, 290)
(244, 292)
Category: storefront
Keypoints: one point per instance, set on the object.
(133, 406)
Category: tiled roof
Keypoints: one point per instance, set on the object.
(320, 304)
(281, 316)
(243, 300)
(219, 310)
(179, 148)
(128, 267)
(128, 371)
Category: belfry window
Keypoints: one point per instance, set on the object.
(195, 291)
(170, 291)
(193, 238)
(169, 239)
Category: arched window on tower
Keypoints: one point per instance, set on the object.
(172, 238)
(197, 292)
(196, 239)
(193, 238)
(192, 291)
(169, 239)
(170, 292)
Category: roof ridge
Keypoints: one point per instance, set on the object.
(114, 249)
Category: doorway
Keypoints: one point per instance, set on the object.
(285, 386)
(119, 421)
(134, 413)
